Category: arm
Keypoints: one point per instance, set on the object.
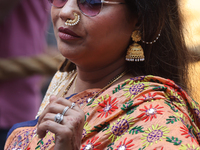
(6, 6)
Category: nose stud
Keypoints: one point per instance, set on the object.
(73, 22)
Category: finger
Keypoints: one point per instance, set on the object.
(52, 98)
(51, 108)
(51, 116)
(47, 116)
(57, 106)
(54, 109)
(65, 102)
(76, 120)
(56, 128)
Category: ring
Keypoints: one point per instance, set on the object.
(66, 108)
(64, 111)
(73, 104)
(58, 118)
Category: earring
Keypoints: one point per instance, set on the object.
(135, 51)
(73, 22)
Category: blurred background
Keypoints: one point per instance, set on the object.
(191, 14)
(29, 56)
(28, 60)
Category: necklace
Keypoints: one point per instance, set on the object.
(69, 85)
(90, 100)
(108, 85)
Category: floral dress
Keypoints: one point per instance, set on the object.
(141, 113)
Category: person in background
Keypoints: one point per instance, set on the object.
(23, 26)
(123, 84)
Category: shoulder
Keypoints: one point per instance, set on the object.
(22, 124)
(146, 111)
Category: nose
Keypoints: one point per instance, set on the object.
(67, 11)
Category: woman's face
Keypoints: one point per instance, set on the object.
(101, 40)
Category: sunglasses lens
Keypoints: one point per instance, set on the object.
(58, 3)
(90, 7)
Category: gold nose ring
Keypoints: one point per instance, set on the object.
(73, 22)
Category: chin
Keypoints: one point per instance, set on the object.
(69, 54)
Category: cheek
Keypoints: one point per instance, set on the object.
(113, 25)
(112, 28)
(54, 16)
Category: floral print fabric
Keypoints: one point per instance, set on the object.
(146, 112)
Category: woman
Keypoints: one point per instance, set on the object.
(105, 95)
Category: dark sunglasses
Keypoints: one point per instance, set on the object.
(89, 8)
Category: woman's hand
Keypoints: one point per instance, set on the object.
(68, 132)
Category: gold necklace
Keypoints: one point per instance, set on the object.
(90, 100)
(69, 85)
(109, 83)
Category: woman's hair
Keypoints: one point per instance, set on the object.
(168, 57)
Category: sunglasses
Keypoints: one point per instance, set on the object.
(89, 8)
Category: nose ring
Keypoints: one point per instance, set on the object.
(73, 22)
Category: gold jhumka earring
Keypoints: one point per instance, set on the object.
(73, 22)
(135, 51)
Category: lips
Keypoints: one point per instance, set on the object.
(67, 34)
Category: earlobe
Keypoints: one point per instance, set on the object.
(136, 24)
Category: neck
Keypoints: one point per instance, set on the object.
(98, 78)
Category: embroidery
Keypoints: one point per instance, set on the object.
(87, 114)
(187, 131)
(172, 107)
(90, 144)
(160, 88)
(44, 145)
(159, 149)
(171, 120)
(99, 100)
(135, 89)
(136, 130)
(150, 113)
(198, 136)
(106, 128)
(142, 148)
(127, 105)
(196, 111)
(109, 106)
(85, 99)
(175, 98)
(155, 80)
(109, 147)
(86, 130)
(174, 140)
(118, 88)
(189, 147)
(181, 118)
(149, 96)
(119, 128)
(22, 139)
(100, 127)
(197, 131)
(125, 145)
(154, 134)
(135, 79)
(196, 104)
(132, 110)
